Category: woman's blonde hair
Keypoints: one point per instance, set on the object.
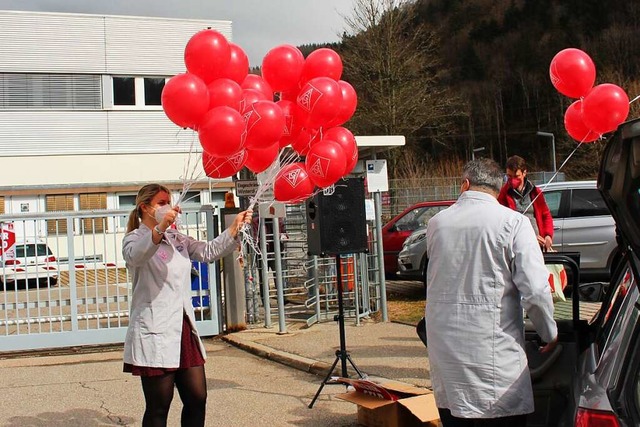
(144, 197)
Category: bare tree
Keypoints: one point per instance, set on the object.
(393, 61)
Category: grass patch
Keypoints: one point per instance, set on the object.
(406, 308)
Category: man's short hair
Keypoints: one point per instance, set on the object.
(484, 173)
(516, 162)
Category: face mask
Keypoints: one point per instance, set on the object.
(515, 183)
(161, 212)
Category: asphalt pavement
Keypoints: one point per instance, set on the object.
(255, 377)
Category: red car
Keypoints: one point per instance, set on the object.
(400, 227)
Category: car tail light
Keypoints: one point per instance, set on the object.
(49, 267)
(11, 262)
(19, 270)
(591, 418)
(50, 259)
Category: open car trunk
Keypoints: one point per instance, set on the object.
(552, 374)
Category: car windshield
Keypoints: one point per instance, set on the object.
(32, 250)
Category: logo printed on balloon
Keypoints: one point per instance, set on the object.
(238, 159)
(320, 167)
(553, 75)
(252, 117)
(288, 125)
(308, 99)
(292, 177)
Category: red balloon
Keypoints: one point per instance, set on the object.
(223, 167)
(259, 160)
(605, 107)
(255, 82)
(222, 132)
(287, 108)
(292, 184)
(224, 92)
(323, 62)
(325, 163)
(207, 54)
(348, 104)
(304, 140)
(347, 141)
(318, 102)
(238, 66)
(282, 67)
(575, 126)
(265, 124)
(185, 100)
(249, 96)
(290, 95)
(572, 72)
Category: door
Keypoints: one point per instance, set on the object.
(589, 229)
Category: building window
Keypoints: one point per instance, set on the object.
(153, 90)
(50, 91)
(126, 202)
(58, 203)
(1, 205)
(124, 91)
(90, 202)
(139, 92)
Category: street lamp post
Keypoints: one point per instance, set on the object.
(553, 146)
(474, 151)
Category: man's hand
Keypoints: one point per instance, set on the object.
(550, 346)
(545, 242)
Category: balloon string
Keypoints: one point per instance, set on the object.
(544, 186)
(634, 99)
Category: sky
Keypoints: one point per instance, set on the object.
(258, 25)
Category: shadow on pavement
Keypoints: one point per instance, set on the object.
(70, 418)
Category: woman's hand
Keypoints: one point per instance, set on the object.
(169, 218)
(241, 219)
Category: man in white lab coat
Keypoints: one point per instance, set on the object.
(485, 265)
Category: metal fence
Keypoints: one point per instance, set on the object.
(64, 282)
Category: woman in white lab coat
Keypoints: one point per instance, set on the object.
(162, 345)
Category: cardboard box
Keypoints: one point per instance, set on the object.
(391, 403)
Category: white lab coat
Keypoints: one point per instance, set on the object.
(161, 277)
(485, 264)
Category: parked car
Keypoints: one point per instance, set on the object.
(582, 223)
(402, 225)
(594, 377)
(29, 262)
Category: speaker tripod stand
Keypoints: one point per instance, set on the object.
(342, 355)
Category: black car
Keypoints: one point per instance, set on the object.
(593, 377)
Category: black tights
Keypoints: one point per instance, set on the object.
(158, 393)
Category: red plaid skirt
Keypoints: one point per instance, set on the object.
(190, 355)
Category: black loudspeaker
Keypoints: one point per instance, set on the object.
(336, 223)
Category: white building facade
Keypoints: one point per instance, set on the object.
(81, 123)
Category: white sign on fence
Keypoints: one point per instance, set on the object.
(246, 187)
(377, 179)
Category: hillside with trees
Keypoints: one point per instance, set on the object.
(458, 75)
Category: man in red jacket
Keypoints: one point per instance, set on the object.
(519, 194)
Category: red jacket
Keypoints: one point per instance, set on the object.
(541, 211)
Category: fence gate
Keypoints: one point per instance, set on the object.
(63, 281)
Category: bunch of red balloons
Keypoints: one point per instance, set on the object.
(239, 124)
(599, 109)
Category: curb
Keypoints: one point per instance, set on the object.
(293, 360)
